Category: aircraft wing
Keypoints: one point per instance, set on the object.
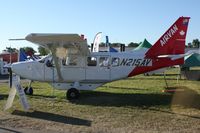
(178, 56)
(59, 42)
(60, 45)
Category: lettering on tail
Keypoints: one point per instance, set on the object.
(168, 35)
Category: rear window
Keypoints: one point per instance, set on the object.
(115, 62)
(91, 61)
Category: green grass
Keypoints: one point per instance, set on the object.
(133, 104)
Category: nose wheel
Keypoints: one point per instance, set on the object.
(72, 94)
(28, 91)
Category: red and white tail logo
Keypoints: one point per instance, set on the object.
(172, 41)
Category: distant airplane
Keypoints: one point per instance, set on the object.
(73, 67)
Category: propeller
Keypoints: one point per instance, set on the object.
(9, 67)
(10, 77)
(17, 88)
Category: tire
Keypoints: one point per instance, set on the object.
(72, 94)
(28, 91)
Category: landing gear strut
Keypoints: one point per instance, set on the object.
(72, 93)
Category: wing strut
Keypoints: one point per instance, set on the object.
(56, 61)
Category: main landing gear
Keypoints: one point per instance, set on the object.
(29, 90)
(72, 94)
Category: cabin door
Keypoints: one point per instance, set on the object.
(98, 68)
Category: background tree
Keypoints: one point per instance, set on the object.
(10, 50)
(132, 44)
(118, 44)
(43, 51)
(28, 50)
(189, 45)
(196, 43)
(102, 44)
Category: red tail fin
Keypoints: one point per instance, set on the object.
(172, 41)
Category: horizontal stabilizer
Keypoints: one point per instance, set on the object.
(178, 56)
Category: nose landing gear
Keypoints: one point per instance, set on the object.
(29, 90)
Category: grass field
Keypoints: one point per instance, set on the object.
(135, 104)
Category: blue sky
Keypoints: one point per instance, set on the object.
(122, 20)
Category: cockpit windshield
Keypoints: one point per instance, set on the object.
(42, 60)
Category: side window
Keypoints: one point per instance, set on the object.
(103, 61)
(70, 61)
(115, 62)
(41, 61)
(49, 62)
(91, 61)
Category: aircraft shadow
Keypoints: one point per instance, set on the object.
(8, 130)
(39, 96)
(122, 99)
(187, 98)
(4, 77)
(165, 75)
(53, 117)
(3, 96)
(153, 78)
(125, 88)
(156, 77)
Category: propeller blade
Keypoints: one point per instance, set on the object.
(10, 99)
(10, 77)
(17, 88)
(9, 67)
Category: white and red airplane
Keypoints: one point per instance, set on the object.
(73, 67)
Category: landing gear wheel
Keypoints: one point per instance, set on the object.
(28, 91)
(72, 93)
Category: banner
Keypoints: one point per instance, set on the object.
(96, 42)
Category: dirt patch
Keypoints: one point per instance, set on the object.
(184, 96)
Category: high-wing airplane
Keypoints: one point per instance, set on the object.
(73, 67)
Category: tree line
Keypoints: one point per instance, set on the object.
(42, 51)
(194, 44)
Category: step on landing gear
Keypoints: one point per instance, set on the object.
(72, 94)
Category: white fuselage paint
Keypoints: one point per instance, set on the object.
(89, 77)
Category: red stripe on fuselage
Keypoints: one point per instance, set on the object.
(156, 64)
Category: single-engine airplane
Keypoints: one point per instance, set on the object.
(73, 67)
